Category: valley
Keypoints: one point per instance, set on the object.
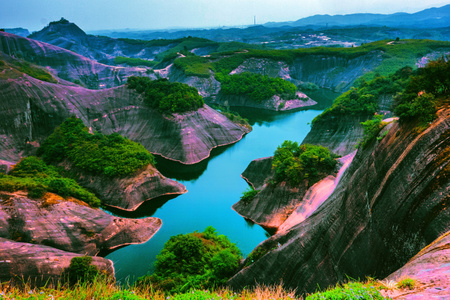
(321, 150)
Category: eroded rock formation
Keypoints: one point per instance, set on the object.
(31, 109)
(39, 265)
(69, 225)
(391, 203)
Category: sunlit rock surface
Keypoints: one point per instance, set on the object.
(30, 110)
(69, 225)
(130, 192)
(39, 265)
(390, 203)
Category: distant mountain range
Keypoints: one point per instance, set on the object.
(428, 18)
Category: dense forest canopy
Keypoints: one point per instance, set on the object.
(109, 155)
(165, 96)
(256, 86)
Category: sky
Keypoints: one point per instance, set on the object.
(160, 14)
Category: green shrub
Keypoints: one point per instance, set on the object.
(419, 101)
(352, 290)
(406, 283)
(165, 96)
(134, 61)
(194, 66)
(256, 86)
(248, 195)
(194, 260)
(33, 175)
(371, 129)
(81, 270)
(111, 155)
(293, 163)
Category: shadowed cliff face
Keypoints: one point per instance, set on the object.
(31, 109)
(275, 201)
(330, 72)
(391, 202)
(130, 192)
(275, 103)
(340, 134)
(69, 225)
(66, 64)
(39, 265)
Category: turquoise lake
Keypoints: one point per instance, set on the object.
(213, 187)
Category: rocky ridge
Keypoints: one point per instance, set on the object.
(402, 180)
(31, 109)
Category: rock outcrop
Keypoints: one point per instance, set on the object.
(69, 225)
(390, 204)
(66, 64)
(279, 206)
(340, 134)
(326, 71)
(274, 202)
(130, 192)
(30, 109)
(39, 265)
(430, 269)
(275, 103)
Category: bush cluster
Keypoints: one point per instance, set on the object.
(33, 175)
(110, 155)
(419, 100)
(81, 271)
(293, 163)
(363, 99)
(134, 62)
(165, 96)
(194, 260)
(256, 86)
(372, 128)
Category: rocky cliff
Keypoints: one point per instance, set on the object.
(275, 103)
(130, 192)
(69, 225)
(391, 203)
(66, 64)
(31, 109)
(326, 71)
(430, 269)
(274, 202)
(39, 265)
(339, 133)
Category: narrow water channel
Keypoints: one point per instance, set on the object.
(213, 187)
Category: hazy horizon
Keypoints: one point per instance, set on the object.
(149, 14)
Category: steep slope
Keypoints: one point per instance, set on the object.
(31, 109)
(391, 202)
(66, 64)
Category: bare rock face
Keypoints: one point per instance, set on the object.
(69, 225)
(66, 64)
(275, 103)
(275, 202)
(390, 203)
(5, 166)
(31, 109)
(38, 264)
(340, 134)
(430, 268)
(130, 192)
(327, 71)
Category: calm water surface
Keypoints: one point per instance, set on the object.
(213, 187)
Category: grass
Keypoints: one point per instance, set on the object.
(134, 62)
(10, 68)
(102, 289)
(406, 283)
